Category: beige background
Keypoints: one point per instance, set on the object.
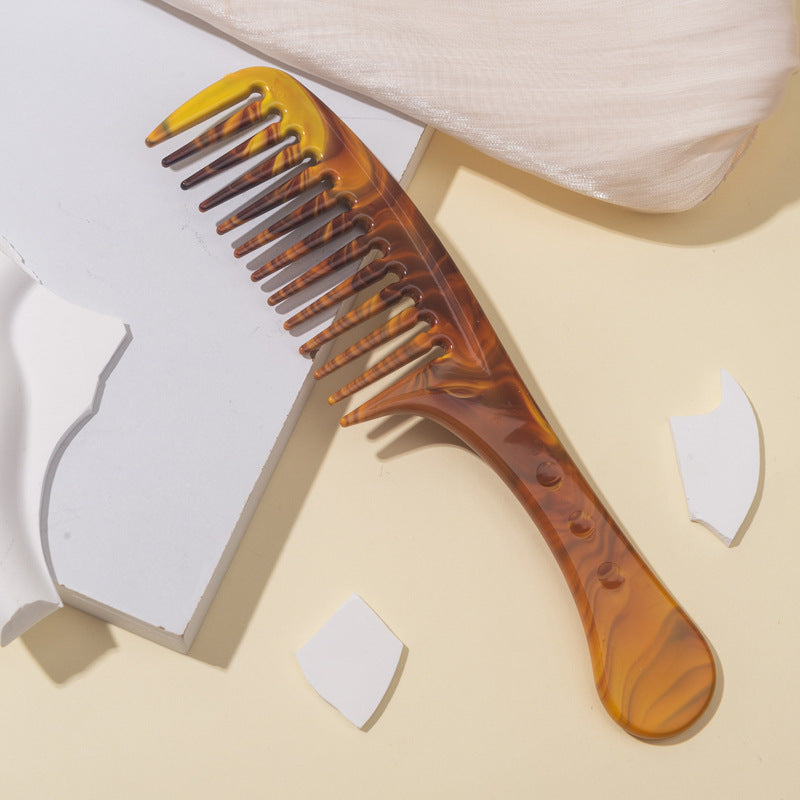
(617, 320)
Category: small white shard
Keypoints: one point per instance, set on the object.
(52, 354)
(352, 660)
(719, 457)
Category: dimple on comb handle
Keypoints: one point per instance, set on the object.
(653, 670)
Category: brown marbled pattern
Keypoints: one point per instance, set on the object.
(653, 669)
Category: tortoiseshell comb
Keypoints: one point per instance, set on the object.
(653, 669)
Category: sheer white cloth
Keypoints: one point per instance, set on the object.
(644, 104)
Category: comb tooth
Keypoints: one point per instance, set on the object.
(369, 308)
(323, 202)
(338, 225)
(287, 158)
(328, 266)
(241, 120)
(286, 191)
(400, 323)
(404, 355)
(366, 276)
(257, 143)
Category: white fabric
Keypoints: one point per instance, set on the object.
(644, 104)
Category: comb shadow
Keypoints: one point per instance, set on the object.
(248, 197)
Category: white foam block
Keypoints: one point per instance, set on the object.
(719, 456)
(53, 356)
(352, 660)
(151, 496)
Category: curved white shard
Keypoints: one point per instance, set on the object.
(52, 354)
(719, 457)
(352, 660)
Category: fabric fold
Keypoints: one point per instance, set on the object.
(645, 105)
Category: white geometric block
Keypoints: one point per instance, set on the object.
(152, 495)
(52, 355)
(719, 457)
(352, 660)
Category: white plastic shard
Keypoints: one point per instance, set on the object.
(719, 457)
(352, 660)
(52, 355)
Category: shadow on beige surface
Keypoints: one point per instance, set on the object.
(765, 180)
(376, 715)
(68, 642)
(258, 553)
(748, 520)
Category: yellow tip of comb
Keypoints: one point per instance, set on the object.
(157, 136)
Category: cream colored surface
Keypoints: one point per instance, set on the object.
(624, 320)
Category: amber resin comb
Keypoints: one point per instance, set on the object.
(652, 667)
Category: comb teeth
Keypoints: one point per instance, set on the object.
(277, 196)
(374, 305)
(246, 118)
(404, 355)
(256, 144)
(316, 207)
(327, 159)
(372, 273)
(338, 225)
(281, 162)
(352, 251)
(400, 323)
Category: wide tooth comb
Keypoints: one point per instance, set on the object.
(653, 670)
